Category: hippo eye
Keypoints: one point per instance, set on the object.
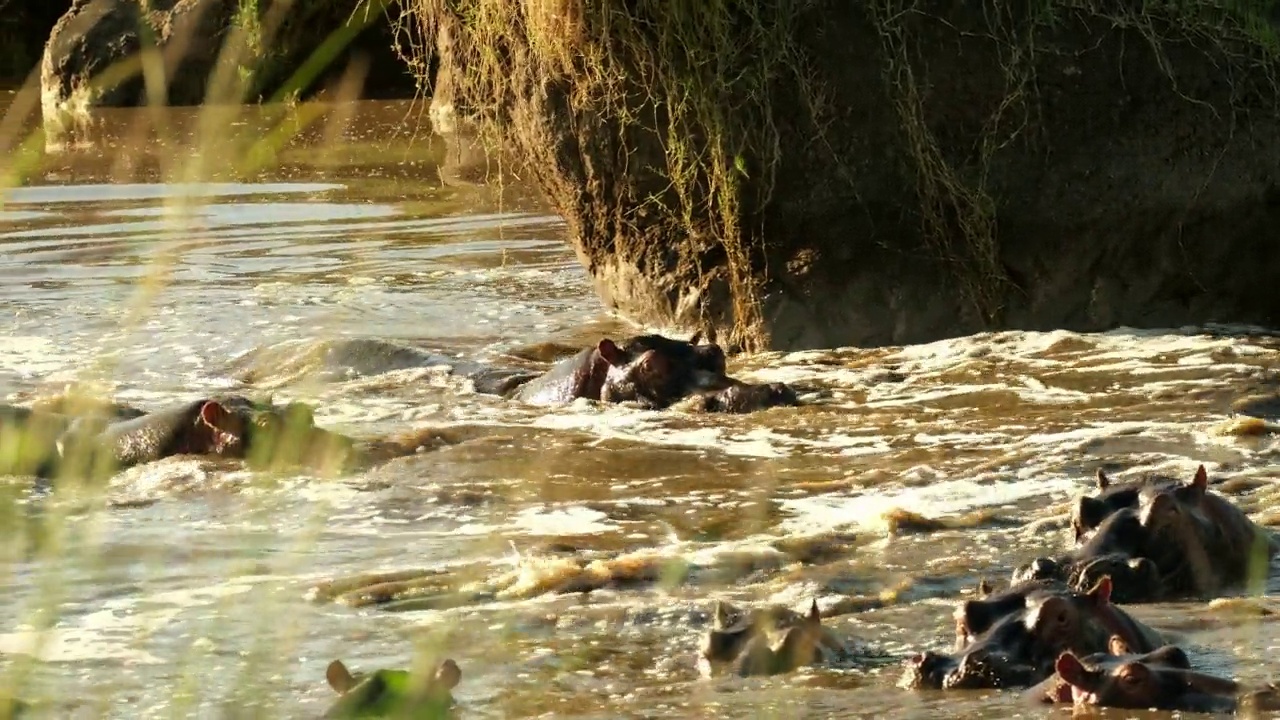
(1061, 618)
(1132, 676)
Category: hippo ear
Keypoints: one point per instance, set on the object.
(720, 616)
(984, 588)
(1070, 668)
(974, 615)
(1103, 481)
(1117, 646)
(339, 677)
(215, 415)
(611, 353)
(707, 337)
(1100, 595)
(1200, 483)
(1169, 656)
(448, 674)
(814, 617)
(1089, 514)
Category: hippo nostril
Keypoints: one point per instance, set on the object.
(1043, 568)
(925, 661)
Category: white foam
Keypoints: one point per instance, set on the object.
(563, 520)
(940, 498)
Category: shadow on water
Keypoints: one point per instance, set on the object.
(192, 586)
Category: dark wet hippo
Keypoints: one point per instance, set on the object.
(1118, 549)
(392, 693)
(771, 641)
(230, 426)
(1157, 680)
(29, 435)
(1011, 639)
(1160, 539)
(653, 371)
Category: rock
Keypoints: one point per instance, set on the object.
(229, 50)
(92, 58)
(813, 173)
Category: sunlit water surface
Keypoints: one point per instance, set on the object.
(187, 596)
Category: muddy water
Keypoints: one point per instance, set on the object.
(185, 594)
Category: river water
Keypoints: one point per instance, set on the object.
(185, 592)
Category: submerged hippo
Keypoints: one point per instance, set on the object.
(1012, 638)
(771, 641)
(1158, 680)
(1160, 539)
(29, 435)
(230, 426)
(652, 371)
(392, 693)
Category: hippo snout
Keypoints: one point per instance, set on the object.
(782, 394)
(979, 668)
(1039, 569)
(926, 670)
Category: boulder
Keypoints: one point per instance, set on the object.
(815, 173)
(219, 50)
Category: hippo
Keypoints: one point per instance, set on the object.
(1158, 680)
(29, 435)
(1011, 639)
(392, 693)
(651, 371)
(229, 426)
(771, 641)
(1155, 537)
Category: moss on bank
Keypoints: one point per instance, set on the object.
(716, 79)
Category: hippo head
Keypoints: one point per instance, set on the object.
(1161, 680)
(994, 645)
(1081, 622)
(975, 617)
(1117, 547)
(725, 639)
(391, 692)
(648, 376)
(741, 397)
(800, 643)
(1011, 639)
(658, 370)
(1133, 579)
(280, 435)
(1002, 657)
(1089, 512)
(767, 642)
(798, 646)
(1172, 509)
(708, 356)
(219, 429)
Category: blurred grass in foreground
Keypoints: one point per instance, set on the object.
(63, 539)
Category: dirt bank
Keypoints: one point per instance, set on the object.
(802, 173)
